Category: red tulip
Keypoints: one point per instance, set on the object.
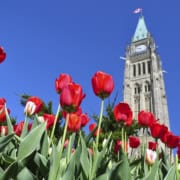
(134, 142)
(172, 141)
(178, 151)
(2, 110)
(66, 143)
(164, 137)
(2, 101)
(152, 145)
(158, 130)
(62, 81)
(71, 97)
(91, 152)
(74, 123)
(122, 112)
(3, 130)
(118, 145)
(102, 84)
(48, 118)
(145, 118)
(33, 105)
(78, 112)
(92, 127)
(19, 127)
(84, 119)
(2, 55)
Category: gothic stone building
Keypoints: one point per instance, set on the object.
(144, 87)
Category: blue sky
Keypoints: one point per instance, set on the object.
(44, 38)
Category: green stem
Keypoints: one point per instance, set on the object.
(122, 135)
(64, 134)
(25, 126)
(54, 125)
(177, 173)
(69, 149)
(143, 142)
(79, 138)
(99, 123)
(9, 123)
(125, 139)
(62, 144)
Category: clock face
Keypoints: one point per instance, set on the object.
(140, 48)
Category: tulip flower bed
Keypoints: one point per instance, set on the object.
(48, 146)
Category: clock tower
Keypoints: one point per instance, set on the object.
(144, 87)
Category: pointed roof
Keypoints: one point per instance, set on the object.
(141, 30)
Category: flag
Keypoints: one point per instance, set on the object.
(138, 10)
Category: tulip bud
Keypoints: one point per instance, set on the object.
(123, 113)
(102, 84)
(71, 97)
(145, 119)
(62, 81)
(33, 105)
(104, 143)
(50, 151)
(150, 156)
(110, 165)
(134, 142)
(3, 130)
(2, 55)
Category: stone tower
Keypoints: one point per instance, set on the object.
(144, 87)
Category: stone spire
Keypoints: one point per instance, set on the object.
(141, 30)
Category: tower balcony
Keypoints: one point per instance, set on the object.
(140, 56)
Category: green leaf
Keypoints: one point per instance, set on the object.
(44, 144)
(12, 171)
(98, 158)
(122, 170)
(69, 174)
(62, 168)
(30, 142)
(154, 171)
(42, 164)
(77, 161)
(7, 159)
(4, 141)
(9, 123)
(171, 173)
(1, 171)
(103, 177)
(54, 163)
(25, 127)
(35, 122)
(25, 174)
(84, 159)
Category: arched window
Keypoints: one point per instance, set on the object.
(147, 95)
(134, 70)
(137, 89)
(139, 69)
(147, 86)
(144, 68)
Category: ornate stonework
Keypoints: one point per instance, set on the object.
(144, 87)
